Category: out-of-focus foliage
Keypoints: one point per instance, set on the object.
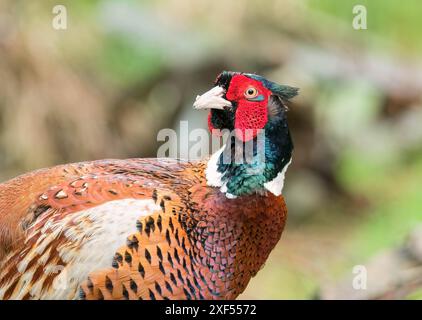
(398, 23)
(123, 70)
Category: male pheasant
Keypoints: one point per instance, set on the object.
(154, 228)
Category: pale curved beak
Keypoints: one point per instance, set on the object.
(212, 99)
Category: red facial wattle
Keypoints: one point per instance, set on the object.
(250, 118)
(251, 113)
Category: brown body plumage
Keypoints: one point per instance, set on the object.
(198, 245)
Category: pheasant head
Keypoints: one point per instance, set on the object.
(247, 105)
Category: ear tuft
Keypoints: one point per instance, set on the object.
(283, 91)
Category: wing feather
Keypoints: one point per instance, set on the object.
(72, 219)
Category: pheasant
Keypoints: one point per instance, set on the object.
(154, 228)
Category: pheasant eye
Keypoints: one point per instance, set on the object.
(251, 92)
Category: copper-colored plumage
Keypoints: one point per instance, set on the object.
(196, 244)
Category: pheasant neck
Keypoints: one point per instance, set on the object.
(257, 166)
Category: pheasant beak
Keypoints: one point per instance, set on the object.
(212, 99)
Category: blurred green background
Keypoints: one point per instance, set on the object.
(123, 70)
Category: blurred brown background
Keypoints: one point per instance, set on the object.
(123, 70)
